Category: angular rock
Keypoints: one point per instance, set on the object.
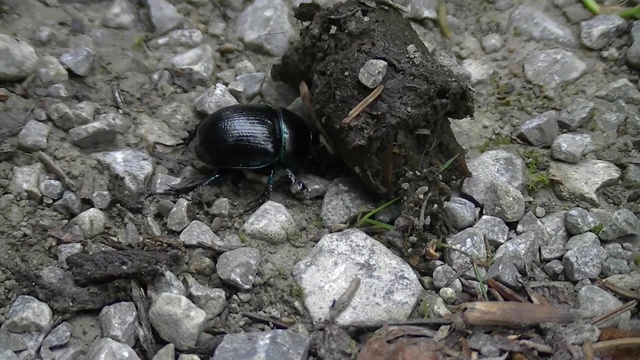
(386, 293)
(178, 218)
(25, 180)
(552, 68)
(471, 242)
(265, 17)
(372, 73)
(214, 99)
(119, 322)
(18, 59)
(583, 262)
(570, 147)
(177, 320)
(271, 223)
(493, 165)
(585, 239)
(212, 301)
(199, 234)
(581, 181)
(28, 314)
(554, 223)
(442, 276)
(523, 251)
(600, 31)
(34, 136)
(343, 200)
(530, 222)
(91, 221)
(84, 112)
(596, 301)
(180, 37)
(107, 348)
(504, 201)
(78, 60)
(120, 15)
(154, 131)
(541, 130)
(274, 344)
(164, 16)
(494, 229)
(92, 134)
(59, 336)
(50, 71)
(620, 90)
(506, 272)
(239, 267)
(613, 266)
(576, 114)
(480, 71)
(134, 166)
(578, 221)
(193, 68)
(622, 223)
(551, 252)
(540, 26)
(61, 115)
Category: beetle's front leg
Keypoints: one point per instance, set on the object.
(264, 197)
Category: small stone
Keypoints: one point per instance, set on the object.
(479, 70)
(631, 178)
(120, 15)
(493, 165)
(92, 134)
(492, 42)
(220, 207)
(168, 352)
(34, 136)
(504, 201)
(193, 68)
(583, 262)
(600, 31)
(494, 229)
(541, 130)
(596, 301)
(505, 271)
(460, 212)
(107, 348)
(25, 180)
(52, 189)
(372, 73)
(59, 336)
(578, 221)
(239, 267)
(579, 112)
(612, 266)
(119, 322)
(134, 166)
(316, 187)
(442, 276)
(582, 180)
(18, 60)
(153, 131)
(72, 201)
(244, 67)
(553, 68)
(78, 60)
(178, 218)
(251, 86)
(273, 344)
(199, 234)
(540, 26)
(622, 223)
(227, 76)
(585, 239)
(265, 17)
(180, 37)
(58, 91)
(50, 71)
(212, 301)
(551, 252)
(214, 99)
(83, 112)
(177, 320)
(523, 251)
(570, 147)
(448, 295)
(28, 314)
(343, 200)
(164, 16)
(530, 222)
(271, 223)
(168, 282)
(61, 115)
(622, 90)
(92, 222)
(101, 199)
(471, 243)
(553, 268)
(162, 182)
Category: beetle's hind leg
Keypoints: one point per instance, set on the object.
(297, 185)
(181, 190)
(264, 197)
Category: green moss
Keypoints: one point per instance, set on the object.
(597, 229)
(424, 309)
(491, 144)
(537, 178)
(636, 261)
(138, 43)
(297, 291)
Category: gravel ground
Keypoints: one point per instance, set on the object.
(95, 96)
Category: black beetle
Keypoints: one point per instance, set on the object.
(252, 136)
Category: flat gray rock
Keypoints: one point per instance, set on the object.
(388, 290)
(552, 68)
(581, 181)
(541, 26)
(274, 344)
(271, 223)
(541, 130)
(18, 59)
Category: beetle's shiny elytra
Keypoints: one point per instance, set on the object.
(252, 136)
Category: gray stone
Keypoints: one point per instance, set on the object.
(58, 91)
(613, 266)
(178, 218)
(164, 16)
(199, 234)
(579, 220)
(92, 222)
(615, 250)
(116, 121)
(372, 73)
(388, 290)
(540, 26)
(83, 112)
(180, 37)
(541, 130)
(52, 189)
(239, 267)
(583, 262)
(551, 252)
(34, 136)
(576, 114)
(622, 223)
(214, 99)
(596, 301)
(193, 68)
(177, 320)
(134, 166)
(220, 207)
(153, 131)
(59, 336)
(265, 17)
(244, 67)
(553, 68)
(504, 201)
(600, 31)
(585, 239)
(101, 199)
(344, 199)
(460, 212)
(505, 272)
(212, 301)
(271, 223)
(493, 165)
(631, 177)
(633, 54)
(442, 276)
(168, 282)
(577, 13)
(570, 147)
(612, 116)
(92, 134)
(630, 282)
(18, 60)
(72, 201)
(120, 15)
(177, 114)
(480, 71)
(162, 182)
(25, 180)
(581, 181)
(227, 76)
(273, 344)
(471, 242)
(168, 352)
(118, 322)
(316, 187)
(523, 251)
(50, 71)
(492, 42)
(530, 222)
(622, 90)
(277, 93)
(251, 86)
(107, 348)
(61, 115)
(78, 60)
(28, 314)
(553, 268)
(448, 295)
(494, 229)
(422, 9)
(66, 250)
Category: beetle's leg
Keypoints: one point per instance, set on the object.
(298, 186)
(266, 194)
(174, 190)
(189, 139)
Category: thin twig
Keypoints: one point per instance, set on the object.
(266, 320)
(536, 346)
(613, 313)
(363, 105)
(340, 304)
(117, 97)
(618, 290)
(48, 162)
(616, 344)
